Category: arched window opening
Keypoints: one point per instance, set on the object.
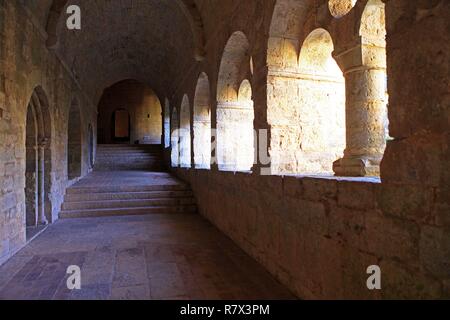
(321, 86)
(202, 124)
(367, 97)
(74, 142)
(185, 134)
(38, 163)
(91, 146)
(340, 8)
(235, 138)
(306, 105)
(373, 34)
(245, 160)
(167, 124)
(175, 139)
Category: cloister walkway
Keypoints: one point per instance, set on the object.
(154, 256)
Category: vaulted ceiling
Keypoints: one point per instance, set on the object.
(148, 40)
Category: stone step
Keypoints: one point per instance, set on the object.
(130, 162)
(129, 159)
(74, 197)
(112, 167)
(87, 205)
(131, 152)
(129, 148)
(68, 214)
(128, 154)
(127, 188)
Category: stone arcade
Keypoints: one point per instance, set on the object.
(107, 160)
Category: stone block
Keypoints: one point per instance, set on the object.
(412, 202)
(441, 214)
(415, 160)
(4, 248)
(354, 274)
(388, 237)
(435, 250)
(446, 290)
(292, 186)
(8, 201)
(400, 282)
(317, 189)
(311, 216)
(356, 195)
(347, 226)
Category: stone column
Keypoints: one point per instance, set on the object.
(214, 159)
(42, 220)
(366, 115)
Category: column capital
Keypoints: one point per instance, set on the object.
(360, 56)
(43, 143)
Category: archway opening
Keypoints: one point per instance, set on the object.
(38, 164)
(167, 124)
(31, 173)
(373, 34)
(185, 133)
(202, 124)
(339, 8)
(91, 146)
(235, 137)
(130, 112)
(74, 144)
(175, 138)
(367, 97)
(306, 105)
(322, 105)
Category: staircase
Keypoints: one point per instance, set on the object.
(111, 157)
(127, 180)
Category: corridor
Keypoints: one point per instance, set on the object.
(135, 234)
(193, 149)
(160, 256)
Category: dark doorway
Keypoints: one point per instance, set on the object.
(121, 130)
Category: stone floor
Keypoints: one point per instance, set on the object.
(176, 256)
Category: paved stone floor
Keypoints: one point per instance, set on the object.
(136, 257)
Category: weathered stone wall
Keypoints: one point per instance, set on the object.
(144, 109)
(25, 63)
(319, 235)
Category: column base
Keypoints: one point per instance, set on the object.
(357, 167)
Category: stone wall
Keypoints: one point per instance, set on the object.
(26, 64)
(318, 235)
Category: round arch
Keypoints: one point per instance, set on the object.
(185, 133)
(235, 138)
(202, 123)
(74, 141)
(38, 161)
(175, 138)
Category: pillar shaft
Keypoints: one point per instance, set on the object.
(366, 116)
(42, 220)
